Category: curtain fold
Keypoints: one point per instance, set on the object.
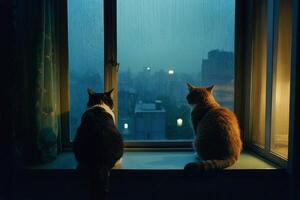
(37, 110)
(47, 85)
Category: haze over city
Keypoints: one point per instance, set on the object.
(175, 34)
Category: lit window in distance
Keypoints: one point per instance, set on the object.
(179, 122)
(171, 71)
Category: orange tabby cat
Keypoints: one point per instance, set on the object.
(217, 133)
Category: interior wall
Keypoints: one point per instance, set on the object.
(7, 41)
(156, 184)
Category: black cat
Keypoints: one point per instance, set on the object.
(98, 145)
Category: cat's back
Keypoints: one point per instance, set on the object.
(219, 119)
(97, 137)
(218, 135)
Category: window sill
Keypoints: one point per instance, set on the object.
(159, 160)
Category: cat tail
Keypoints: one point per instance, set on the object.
(208, 165)
(99, 184)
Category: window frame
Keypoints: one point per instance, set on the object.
(293, 167)
(242, 66)
(62, 28)
(273, 9)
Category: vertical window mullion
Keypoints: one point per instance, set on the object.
(270, 51)
(64, 74)
(110, 49)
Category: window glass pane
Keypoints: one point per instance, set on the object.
(259, 61)
(281, 81)
(162, 45)
(85, 34)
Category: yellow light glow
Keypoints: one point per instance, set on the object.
(179, 122)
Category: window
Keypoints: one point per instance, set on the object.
(258, 89)
(281, 80)
(162, 45)
(270, 79)
(86, 55)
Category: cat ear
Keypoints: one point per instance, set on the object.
(210, 88)
(110, 93)
(90, 92)
(190, 87)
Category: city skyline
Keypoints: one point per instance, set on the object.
(147, 86)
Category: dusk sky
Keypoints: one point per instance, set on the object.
(160, 34)
(175, 33)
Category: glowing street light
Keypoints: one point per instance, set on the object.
(171, 71)
(179, 122)
(148, 68)
(125, 126)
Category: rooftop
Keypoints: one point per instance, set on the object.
(142, 107)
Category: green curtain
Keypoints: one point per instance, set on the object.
(47, 85)
(37, 110)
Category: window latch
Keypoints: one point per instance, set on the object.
(114, 63)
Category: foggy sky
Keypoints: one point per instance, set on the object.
(160, 34)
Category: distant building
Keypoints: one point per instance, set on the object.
(126, 106)
(174, 89)
(218, 70)
(150, 121)
(126, 101)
